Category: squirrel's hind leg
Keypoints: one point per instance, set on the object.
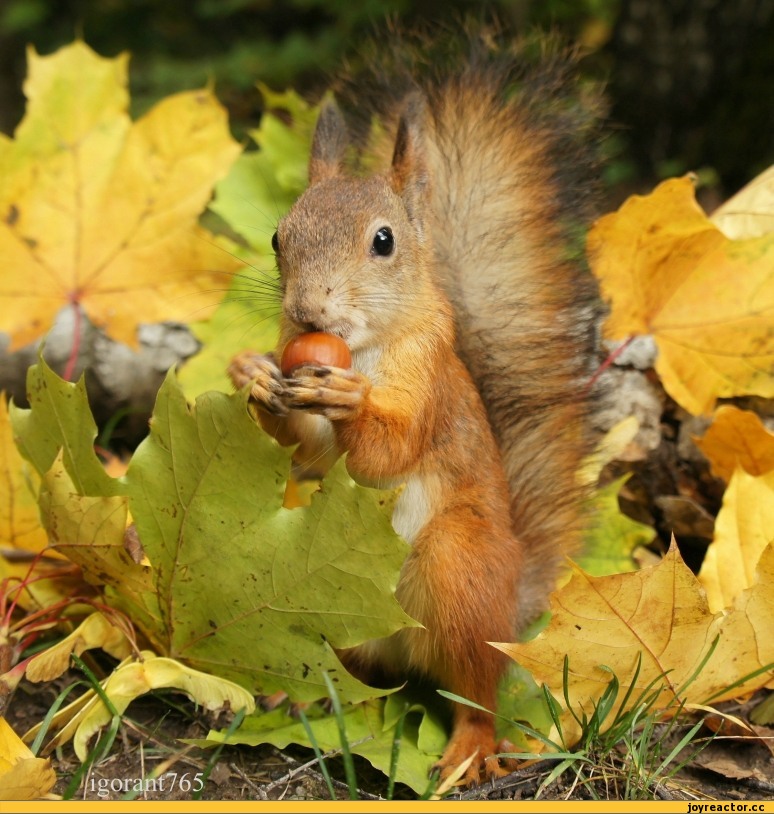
(460, 582)
(474, 735)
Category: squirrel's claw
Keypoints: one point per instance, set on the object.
(484, 763)
(261, 372)
(333, 392)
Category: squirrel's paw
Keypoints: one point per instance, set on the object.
(333, 392)
(466, 743)
(261, 372)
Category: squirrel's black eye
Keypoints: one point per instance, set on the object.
(275, 243)
(384, 242)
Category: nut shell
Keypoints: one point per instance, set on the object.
(316, 348)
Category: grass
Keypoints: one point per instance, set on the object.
(630, 746)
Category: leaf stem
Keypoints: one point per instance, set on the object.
(77, 333)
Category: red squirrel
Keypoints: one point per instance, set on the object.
(449, 273)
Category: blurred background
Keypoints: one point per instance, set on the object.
(690, 82)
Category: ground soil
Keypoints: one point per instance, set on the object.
(729, 768)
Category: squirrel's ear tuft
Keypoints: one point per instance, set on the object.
(409, 175)
(328, 145)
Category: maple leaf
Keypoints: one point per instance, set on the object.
(101, 212)
(737, 438)
(370, 731)
(22, 775)
(707, 300)
(741, 451)
(131, 679)
(371, 727)
(232, 565)
(750, 213)
(237, 585)
(661, 615)
(743, 529)
(19, 516)
(95, 631)
(610, 536)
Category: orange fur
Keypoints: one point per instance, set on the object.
(468, 351)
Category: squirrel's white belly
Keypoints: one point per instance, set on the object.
(412, 509)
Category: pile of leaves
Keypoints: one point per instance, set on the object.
(194, 567)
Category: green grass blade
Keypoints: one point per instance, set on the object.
(527, 730)
(95, 685)
(317, 753)
(395, 753)
(102, 748)
(346, 755)
(52, 710)
(233, 726)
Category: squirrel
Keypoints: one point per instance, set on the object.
(449, 272)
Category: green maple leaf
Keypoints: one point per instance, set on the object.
(611, 537)
(238, 586)
(249, 589)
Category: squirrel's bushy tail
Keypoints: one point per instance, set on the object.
(510, 141)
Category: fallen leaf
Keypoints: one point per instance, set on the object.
(230, 565)
(750, 213)
(370, 729)
(611, 537)
(708, 301)
(90, 531)
(233, 566)
(22, 775)
(746, 649)
(764, 712)
(102, 212)
(84, 717)
(685, 517)
(743, 530)
(60, 420)
(20, 525)
(609, 448)
(737, 438)
(730, 766)
(94, 631)
(660, 615)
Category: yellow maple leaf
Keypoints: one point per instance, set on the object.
(737, 438)
(750, 213)
(95, 631)
(22, 775)
(102, 212)
(743, 529)
(708, 301)
(660, 614)
(20, 525)
(131, 679)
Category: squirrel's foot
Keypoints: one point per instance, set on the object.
(276, 699)
(333, 392)
(469, 741)
(261, 372)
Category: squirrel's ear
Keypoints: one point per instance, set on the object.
(409, 175)
(328, 145)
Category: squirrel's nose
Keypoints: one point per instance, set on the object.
(309, 319)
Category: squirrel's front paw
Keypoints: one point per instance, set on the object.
(333, 392)
(261, 372)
